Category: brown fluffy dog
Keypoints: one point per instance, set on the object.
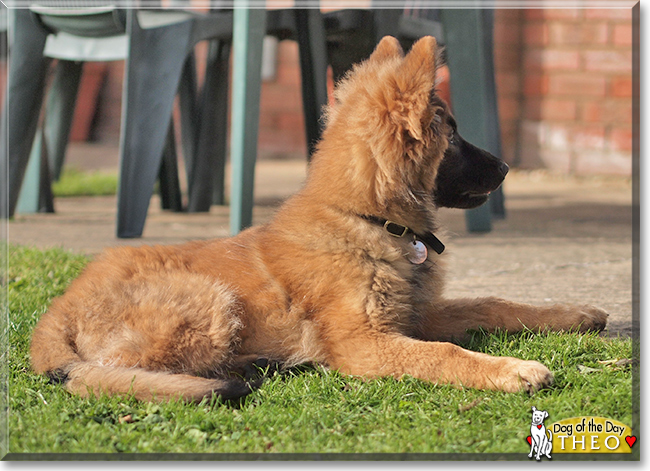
(326, 281)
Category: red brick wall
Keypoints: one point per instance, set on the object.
(282, 124)
(107, 122)
(576, 91)
(508, 32)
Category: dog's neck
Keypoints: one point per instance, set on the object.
(399, 230)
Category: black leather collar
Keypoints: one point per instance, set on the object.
(399, 230)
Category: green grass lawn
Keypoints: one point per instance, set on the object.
(74, 182)
(308, 409)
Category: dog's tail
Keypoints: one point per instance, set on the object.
(87, 379)
(53, 354)
(550, 436)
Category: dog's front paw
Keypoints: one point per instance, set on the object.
(576, 318)
(594, 318)
(522, 375)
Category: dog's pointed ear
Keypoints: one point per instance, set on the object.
(418, 71)
(534, 408)
(422, 56)
(388, 47)
(416, 81)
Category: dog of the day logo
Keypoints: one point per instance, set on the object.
(540, 443)
(578, 435)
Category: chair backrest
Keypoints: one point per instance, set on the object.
(83, 34)
(91, 22)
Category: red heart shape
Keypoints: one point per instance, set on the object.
(529, 439)
(539, 426)
(631, 440)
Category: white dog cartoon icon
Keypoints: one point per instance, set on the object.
(540, 444)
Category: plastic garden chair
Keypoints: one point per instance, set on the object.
(159, 45)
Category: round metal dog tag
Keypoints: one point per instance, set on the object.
(417, 252)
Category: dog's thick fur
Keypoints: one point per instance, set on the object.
(322, 282)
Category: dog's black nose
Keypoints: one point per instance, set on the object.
(503, 168)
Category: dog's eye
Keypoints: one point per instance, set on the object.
(450, 137)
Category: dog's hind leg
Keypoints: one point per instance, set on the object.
(549, 444)
(451, 319)
(152, 337)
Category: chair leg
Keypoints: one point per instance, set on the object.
(249, 26)
(29, 194)
(26, 82)
(313, 67)
(153, 71)
(221, 125)
(189, 114)
(497, 198)
(206, 180)
(350, 39)
(36, 193)
(59, 111)
(170, 188)
(45, 195)
(48, 150)
(468, 36)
